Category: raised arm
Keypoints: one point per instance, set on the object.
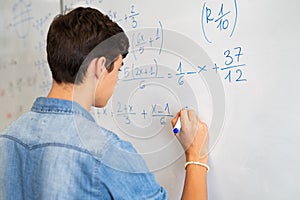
(193, 137)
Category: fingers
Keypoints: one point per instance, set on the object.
(192, 116)
(184, 118)
(174, 120)
(188, 118)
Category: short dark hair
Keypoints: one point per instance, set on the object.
(71, 38)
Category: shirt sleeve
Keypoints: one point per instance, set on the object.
(125, 175)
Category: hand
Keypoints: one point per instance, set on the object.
(193, 136)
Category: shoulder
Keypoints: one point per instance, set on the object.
(118, 154)
(109, 149)
(104, 144)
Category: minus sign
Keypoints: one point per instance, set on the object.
(191, 72)
(162, 115)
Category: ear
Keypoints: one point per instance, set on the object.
(100, 67)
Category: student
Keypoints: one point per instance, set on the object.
(57, 151)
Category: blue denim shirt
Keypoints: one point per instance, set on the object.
(57, 151)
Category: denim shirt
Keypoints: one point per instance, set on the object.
(57, 151)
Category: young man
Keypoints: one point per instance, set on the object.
(57, 151)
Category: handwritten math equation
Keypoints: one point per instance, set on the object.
(130, 17)
(232, 66)
(22, 17)
(140, 38)
(124, 112)
(220, 19)
(147, 38)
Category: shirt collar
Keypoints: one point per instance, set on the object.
(59, 106)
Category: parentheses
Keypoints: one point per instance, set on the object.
(162, 37)
(202, 24)
(236, 16)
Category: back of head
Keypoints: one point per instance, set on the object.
(73, 36)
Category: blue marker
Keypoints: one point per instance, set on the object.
(177, 126)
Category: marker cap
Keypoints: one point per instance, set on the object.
(175, 130)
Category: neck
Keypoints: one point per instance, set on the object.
(71, 92)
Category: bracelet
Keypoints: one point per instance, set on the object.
(196, 163)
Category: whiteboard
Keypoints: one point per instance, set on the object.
(24, 71)
(234, 62)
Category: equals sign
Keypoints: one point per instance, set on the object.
(170, 75)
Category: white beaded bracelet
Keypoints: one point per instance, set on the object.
(196, 163)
